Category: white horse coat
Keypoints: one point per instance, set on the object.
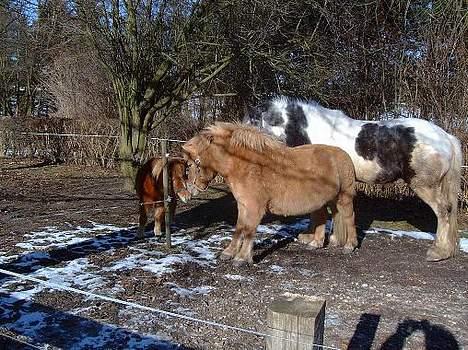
(415, 150)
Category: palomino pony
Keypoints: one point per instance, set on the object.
(417, 151)
(266, 175)
(149, 188)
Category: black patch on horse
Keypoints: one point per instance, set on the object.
(296, 134)
(272, 116)
(264, 111)
(391, 147)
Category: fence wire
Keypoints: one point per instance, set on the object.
(17, 340)
(154, 310)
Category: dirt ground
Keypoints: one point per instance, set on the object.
(383, 296)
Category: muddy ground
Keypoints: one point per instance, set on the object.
(383, 296)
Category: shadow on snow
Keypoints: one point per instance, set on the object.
(45, 325)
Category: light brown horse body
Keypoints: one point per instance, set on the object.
(265, 175)
(149, 188)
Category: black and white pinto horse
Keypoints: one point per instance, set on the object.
(415, 150)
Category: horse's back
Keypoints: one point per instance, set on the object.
(149, 177)
(327, 162)
(322, 153)
(309, 177)
(425, 132)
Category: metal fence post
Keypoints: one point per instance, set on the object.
(167, 215)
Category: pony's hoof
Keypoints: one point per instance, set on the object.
(184, 196)
(241, 263)
(305, 237)
(436, 254)
(333, 241)
(314, 245)
(348, 249)
(225, 257)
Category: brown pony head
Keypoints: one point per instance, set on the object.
(178, 172)
(198, 176)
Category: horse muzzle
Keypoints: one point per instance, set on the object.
(184, 195)
(192, 189)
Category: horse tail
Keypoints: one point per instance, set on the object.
(451, 183)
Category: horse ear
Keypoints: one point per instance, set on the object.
(249, 114)
(185, 156)
(188, 149)
(253, 114)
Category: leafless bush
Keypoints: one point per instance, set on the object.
(80, 89)
(17, 139)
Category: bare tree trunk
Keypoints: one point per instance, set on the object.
(133, 131)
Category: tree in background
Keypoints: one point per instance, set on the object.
(278, 49)
(148, 57)
(156, 54)
(31, 37)
(13, 32)
(364, 57)
(389, 54)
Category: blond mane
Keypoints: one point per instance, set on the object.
(244, 136)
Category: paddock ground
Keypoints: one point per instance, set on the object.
(75, 225)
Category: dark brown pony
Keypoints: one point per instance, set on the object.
(266, 175)
(149, 188)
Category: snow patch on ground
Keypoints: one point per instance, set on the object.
(47, 326)
(464, 244)
(415, 235)
(277, 269)
(332, 319)
(283, 230)
(237, 278)
(61, 257)
(77, 273)
(189, 292)
(53, 237)
(199, 252)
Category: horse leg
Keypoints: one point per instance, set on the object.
(442, 246)
(248, 221)
(158, 219)
(142, 221)
(320, 220)
(233, 248)
(308, 235)
(345, 209)
(245, 255)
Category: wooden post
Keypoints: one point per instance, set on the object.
(295, 322)
(167, 216)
